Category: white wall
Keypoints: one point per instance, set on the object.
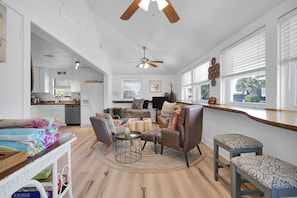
(145, 80)
(269, 20)
(12, 72)
(60, 20)
(277, 141)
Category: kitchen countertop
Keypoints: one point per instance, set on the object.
(59, 103)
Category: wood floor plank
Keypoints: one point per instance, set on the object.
(93, 179)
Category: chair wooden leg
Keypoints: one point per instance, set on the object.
(143, 145)
(186, 157)
(162, 150)
(199, 149)
(109, 148)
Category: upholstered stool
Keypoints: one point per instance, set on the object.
(235, 144)
(274, 177)
(152, 136)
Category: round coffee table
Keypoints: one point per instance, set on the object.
(128, 149)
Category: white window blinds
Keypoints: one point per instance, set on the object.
(187, 78)
(246, 55)
(200, 73)
(288, 38)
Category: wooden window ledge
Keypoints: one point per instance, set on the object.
(278, 118)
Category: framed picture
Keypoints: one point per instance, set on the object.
(2, 33)
(155, 85)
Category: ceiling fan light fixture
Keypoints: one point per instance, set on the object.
(144, 4)
(77, 64)
(146, 66)
(162, 4)
(141, 65)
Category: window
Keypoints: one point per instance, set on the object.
(201, 82)
(61, 88)
(243, 69)
(187, 86)
(131, 88)
(288, 61)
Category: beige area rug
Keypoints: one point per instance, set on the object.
(171, 160)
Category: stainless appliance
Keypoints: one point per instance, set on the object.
(72, 114)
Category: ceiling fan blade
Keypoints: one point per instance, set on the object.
(170, 12)
(152, 64)
(130, 10)
(156, 61)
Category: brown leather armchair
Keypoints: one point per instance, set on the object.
(189, 132)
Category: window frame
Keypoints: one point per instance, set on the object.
(123, 90)
(288, 65)
(187, 85)
(63, 87)
(227, 77)
(198, 83)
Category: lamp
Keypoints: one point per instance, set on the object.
(162, 4)
(146, 66)
(77, 64)
(144, 4)
(141, 65)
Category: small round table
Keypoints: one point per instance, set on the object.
(128, 149)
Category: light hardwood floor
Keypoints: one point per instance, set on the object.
(93, 179)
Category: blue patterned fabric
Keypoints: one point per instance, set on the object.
(271, 172)
(237, 141)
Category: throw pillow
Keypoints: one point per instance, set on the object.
(174, 122)
(110, 111)
(167, 108)
(145, 104)
(118, 111)
(137, 103)
(170, 120)
(108, 120)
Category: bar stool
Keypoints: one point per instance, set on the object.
(235, 144)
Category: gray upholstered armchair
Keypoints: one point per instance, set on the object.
(188, 134)
(105, 130)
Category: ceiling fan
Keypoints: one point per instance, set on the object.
(146, 63)
(164, 5)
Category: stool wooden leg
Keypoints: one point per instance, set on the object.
(215, 158)
(235, 182)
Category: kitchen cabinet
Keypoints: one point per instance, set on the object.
(41, 80)
(57, 111)
(35, 111)
(75, 85)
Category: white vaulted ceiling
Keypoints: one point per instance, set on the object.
(203, 24)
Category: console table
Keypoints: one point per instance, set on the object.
(21, 175)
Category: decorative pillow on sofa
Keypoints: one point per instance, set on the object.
(137, 103)
(109, 121)
(167, 108)
(145, 104)
(174, 122)
(118, 111)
